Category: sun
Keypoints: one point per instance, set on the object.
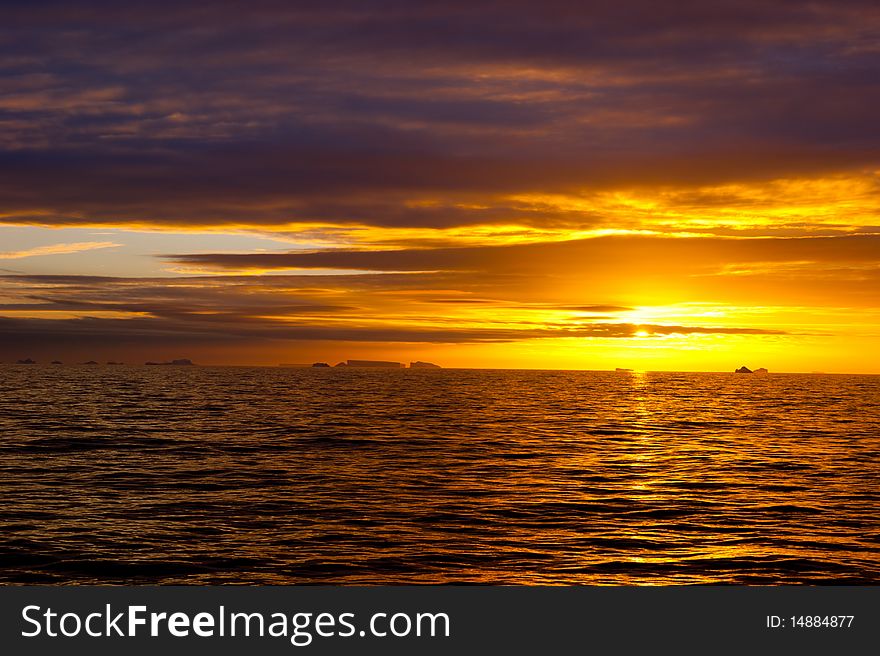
(642, 333)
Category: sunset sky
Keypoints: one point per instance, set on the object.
(583, 185)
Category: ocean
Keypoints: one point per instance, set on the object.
(214, 475)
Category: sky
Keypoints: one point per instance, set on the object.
(561, 185)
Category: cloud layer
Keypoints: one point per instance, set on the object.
(415, 115)
(162, 313)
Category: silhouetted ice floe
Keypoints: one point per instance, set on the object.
(183, 362)
(26, 361)
(418, 364)
(745, 370)
(320, 364)
(381, 364)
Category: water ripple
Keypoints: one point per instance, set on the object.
(235, 475)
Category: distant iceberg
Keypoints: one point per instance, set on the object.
(418, 364)
(183, 362)
(381, 364)
(745, 370)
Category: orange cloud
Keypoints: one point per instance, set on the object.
(57, 249)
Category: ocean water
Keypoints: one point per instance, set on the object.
(260, 475)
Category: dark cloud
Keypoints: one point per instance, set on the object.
(668, 254)
(266, 113)
(622, 270)
(73, 312)
(66, 334)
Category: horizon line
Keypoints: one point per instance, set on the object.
(309, 366)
